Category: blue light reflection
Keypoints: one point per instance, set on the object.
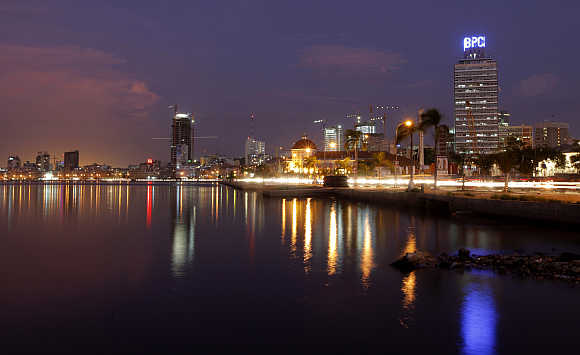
(478, 319)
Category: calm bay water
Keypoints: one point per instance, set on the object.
(152, 267)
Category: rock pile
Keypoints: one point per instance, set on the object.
(416, 260)
(565, 266)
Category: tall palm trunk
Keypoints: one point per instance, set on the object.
(355, 161)
(436, 145)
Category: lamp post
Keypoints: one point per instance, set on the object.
(396, 153)
(409, 124)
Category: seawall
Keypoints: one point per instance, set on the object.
(550, 211)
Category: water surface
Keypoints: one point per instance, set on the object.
(154, 267)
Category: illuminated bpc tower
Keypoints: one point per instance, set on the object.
(181, 138)
(475, 94)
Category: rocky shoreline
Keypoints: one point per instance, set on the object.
(565, 266)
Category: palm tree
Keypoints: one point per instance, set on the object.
(431, 118)
(406, 130)
(366, 166)
(310, 162)
(484, 162)
(506, 161)
(380, 160)
(351, 143)
(460, 160)
(575, 160)
(344, 164)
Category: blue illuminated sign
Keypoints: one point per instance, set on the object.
(473, 42)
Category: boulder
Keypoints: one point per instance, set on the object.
(412, 261)
(463, 253)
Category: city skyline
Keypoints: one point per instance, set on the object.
(105, 91)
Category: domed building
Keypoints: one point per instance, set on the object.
(301, 150)
(304, 144)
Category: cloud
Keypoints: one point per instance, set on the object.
(341, 59)
(70, 95)
(537, 84)
(71, 74)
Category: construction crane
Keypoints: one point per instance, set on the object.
(354, 116)
(471, 127)
(383, 118)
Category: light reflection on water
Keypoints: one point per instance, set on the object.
(332, 236)
(307, 237)
(409, 283)
(183, 247)
(479, 317)
(348, 243)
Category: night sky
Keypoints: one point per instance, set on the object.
(98, 76)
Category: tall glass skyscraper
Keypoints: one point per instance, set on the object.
(475, 94)
(181, 139)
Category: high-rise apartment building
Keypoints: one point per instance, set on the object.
(43, 161)
(255, 151)
(551, 134)
(181, 139)
(475, 96)
(71, 160)
(366, 128)
(13, 162)
(503, 127)
(333, 139)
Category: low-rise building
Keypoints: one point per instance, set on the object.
(551, 134)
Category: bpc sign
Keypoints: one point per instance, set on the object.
(473, 42)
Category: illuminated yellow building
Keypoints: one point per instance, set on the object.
(303, 149)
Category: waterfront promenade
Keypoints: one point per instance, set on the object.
(552, 207)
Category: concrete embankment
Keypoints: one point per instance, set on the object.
(552, 211)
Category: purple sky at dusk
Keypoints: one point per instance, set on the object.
(98, 76)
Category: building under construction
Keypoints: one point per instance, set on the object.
(475, 96)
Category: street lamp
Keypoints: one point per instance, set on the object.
(408, 124)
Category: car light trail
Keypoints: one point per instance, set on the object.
(402, 182)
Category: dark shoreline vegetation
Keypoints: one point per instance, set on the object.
(539, 266)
